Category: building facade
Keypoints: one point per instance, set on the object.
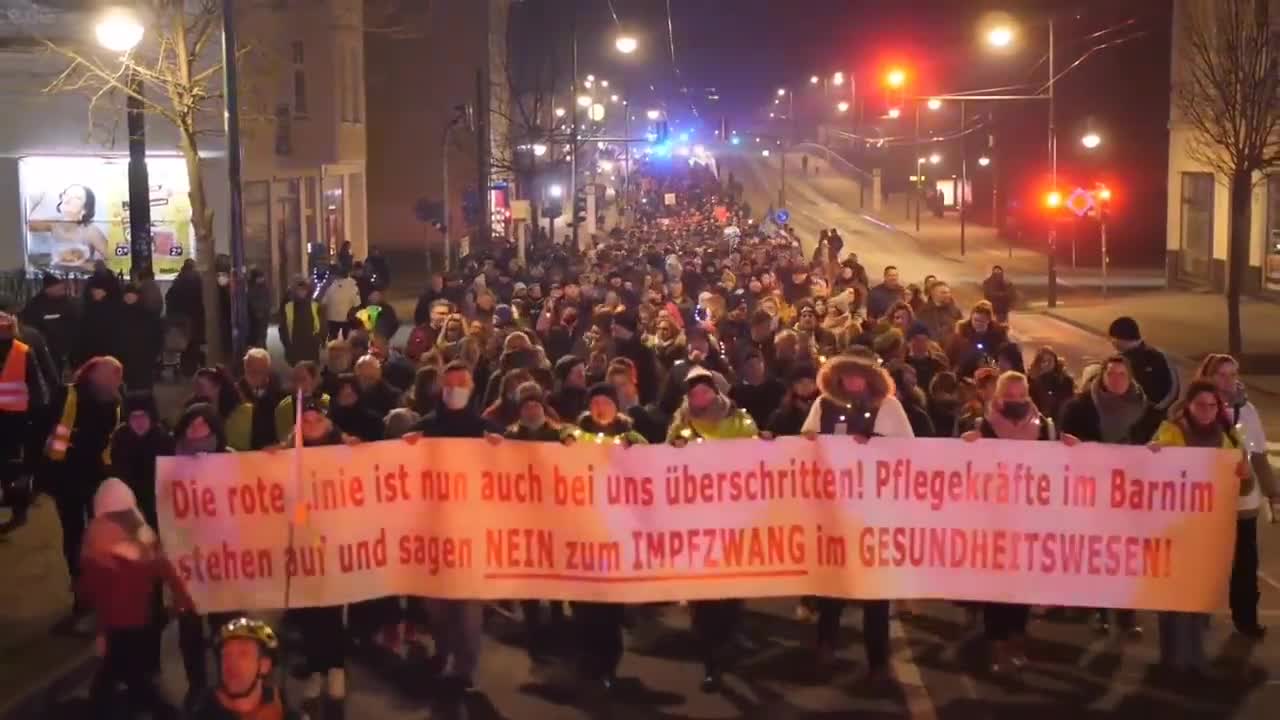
(302, 111)
(1198, 224)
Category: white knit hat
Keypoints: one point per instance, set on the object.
(113, 496)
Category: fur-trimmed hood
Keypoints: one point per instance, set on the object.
(879, 383)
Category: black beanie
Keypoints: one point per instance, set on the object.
(605, 389)
(1124, 328)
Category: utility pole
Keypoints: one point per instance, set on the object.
(919, 167)
(139, 182)
(573, 123)
(1053, 164)
(239, 296)
(962, 201)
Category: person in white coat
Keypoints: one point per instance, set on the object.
(1224, 372)
(342, 296)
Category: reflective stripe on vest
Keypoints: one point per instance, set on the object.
(14, 396)
(60, 440)
(315, 317)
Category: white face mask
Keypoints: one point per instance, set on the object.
(455, 398)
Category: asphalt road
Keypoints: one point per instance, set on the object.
(1075, 673)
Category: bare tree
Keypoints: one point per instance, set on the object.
(1229, 94)
(176, 74)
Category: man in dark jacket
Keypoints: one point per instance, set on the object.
(260, 387)
(140, 335)
(301, 330)
(1151, 368)
(628, 344)
(458, 622)
(883, 296)
(57, 316)
(758, 392)
(1000, 293)
(24, 400)
(428, 298)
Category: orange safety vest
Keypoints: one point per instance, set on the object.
(14, 396)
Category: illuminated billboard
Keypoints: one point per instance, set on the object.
(76, 212)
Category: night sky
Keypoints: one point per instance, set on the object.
(746, 49)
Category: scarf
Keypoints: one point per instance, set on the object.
(1005, 429)
(207, 444)
(1117, 414)
(1201, 437)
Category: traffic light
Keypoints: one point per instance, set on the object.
(896, 77)
(580, 206)
(1053, 200)
(1104, 194)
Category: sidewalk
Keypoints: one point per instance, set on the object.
(1186, 323)
(35, 595)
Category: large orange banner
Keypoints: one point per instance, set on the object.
(1029, 522)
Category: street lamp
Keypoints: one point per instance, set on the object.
(626, 44)
(1091, 140)
(813, 79)
(613, 98)
(765, 152)
(894, 112)
(837, 79)
(842, 106)
(782, 92)
(539, 150)
(653, 114)
(560, 112)
(896, 78)
(556, 191)
(935, 158)
(984, 161)
(934, 103)
(120, 30)
(604, 83)
(584, 101)
(1000, 36)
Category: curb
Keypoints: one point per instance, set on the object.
(34, 701)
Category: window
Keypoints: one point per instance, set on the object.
(1197, 225)
(284, 130)
(299, 80)
(1271, 263)
(357, 87)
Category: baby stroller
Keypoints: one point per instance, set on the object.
(177, 336)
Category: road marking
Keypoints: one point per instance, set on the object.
(919, 704)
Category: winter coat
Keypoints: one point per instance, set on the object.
(888, 418)
(1079, 417)
(760, 401)
(941, 321)
(621, 427)
(133, 460)
(262, 409)
(1001, 294)
(733, 423)
(138, 338)
(1153, 371)
(358, 422)
(58, 319)
(340, 299)
(302, 330)
(968, 350)
(1052, 390)
(99, 331)
(185, 300)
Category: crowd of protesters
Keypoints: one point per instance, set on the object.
(694, 322)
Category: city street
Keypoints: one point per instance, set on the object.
(937, 657)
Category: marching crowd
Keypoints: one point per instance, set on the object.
(695, 323)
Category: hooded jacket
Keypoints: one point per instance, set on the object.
(722, 421)
(121, 562)
(877, 412)
(968, 349)
(133, 456)
(621, 427)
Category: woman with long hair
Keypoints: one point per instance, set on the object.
(1200, 420)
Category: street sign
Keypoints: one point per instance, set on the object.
(782, 217)
(1080, 202)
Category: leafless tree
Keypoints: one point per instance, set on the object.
(1228, 92)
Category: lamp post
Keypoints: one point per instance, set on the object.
(782, 166)
(230, 74)
(120, 30)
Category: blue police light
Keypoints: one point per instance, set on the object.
(684, 137)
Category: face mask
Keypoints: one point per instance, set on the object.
(1015, 411)
(455, 398)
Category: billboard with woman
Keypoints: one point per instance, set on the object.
(76, 212)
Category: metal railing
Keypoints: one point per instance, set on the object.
(19, 286)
